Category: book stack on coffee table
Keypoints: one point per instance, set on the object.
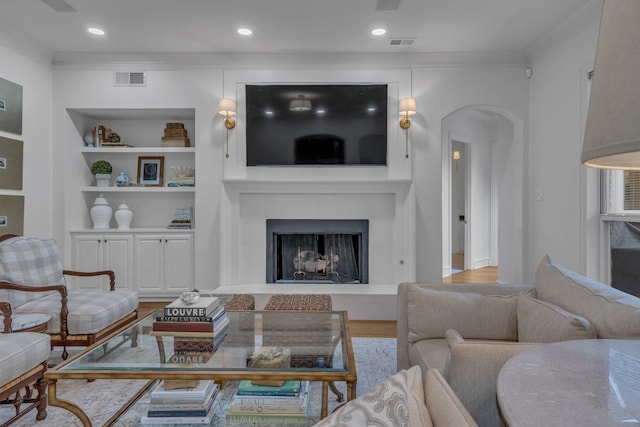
(198, 327)
(261, 404)
(191, 405)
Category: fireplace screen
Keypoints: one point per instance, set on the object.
(317, 251)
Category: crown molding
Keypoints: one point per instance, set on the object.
(587, 15)
(173, 61)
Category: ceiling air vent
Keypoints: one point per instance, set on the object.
(402, 41)
(129, 78)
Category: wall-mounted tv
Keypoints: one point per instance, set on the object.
(336, 124)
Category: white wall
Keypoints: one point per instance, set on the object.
(87, 87)
(439, 92)
(39, 190)
(556, 129)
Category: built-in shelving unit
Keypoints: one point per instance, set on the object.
(148, 257)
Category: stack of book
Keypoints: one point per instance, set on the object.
(194, 405)
(182, 219)
(197, 329)
(260, 404)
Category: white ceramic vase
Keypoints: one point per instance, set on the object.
(101, 213)
(123, 217)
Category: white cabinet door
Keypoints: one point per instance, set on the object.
(149, 260)
(178, 263)
(96, 252)
(118, 256)
(87, 256)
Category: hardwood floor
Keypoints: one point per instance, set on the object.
(358, 328)
(479, 275)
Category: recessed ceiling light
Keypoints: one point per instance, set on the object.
(320, 111)
(96, 31)
(245, 31)
(378, 31)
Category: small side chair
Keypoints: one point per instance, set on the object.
(23, 362)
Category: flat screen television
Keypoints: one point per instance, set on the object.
(337, 124)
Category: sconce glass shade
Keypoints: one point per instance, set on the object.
(612, 134)
(407, 106)
(227, 107)
(300, 104)
(456, 155)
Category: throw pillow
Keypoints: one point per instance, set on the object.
(540, 321)
(431, 313)
(613, 313)
(398, 401)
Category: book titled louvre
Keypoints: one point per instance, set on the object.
(204, 307)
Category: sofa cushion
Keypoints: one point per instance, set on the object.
(431, 313)
(613, 313)
(543, 322)
(20, 352)
(445, 408)
(29, 261)
(90, 310)
(474, 373)
(432, 353)
(398, 401)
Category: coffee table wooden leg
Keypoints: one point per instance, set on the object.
(351, 390)
(324, 411)
(64, 404)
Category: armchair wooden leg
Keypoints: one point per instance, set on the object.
(42, 399)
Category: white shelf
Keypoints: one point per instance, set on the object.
(141, 150)
(132, 230)
(94, 189)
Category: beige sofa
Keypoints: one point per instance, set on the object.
(468, 331)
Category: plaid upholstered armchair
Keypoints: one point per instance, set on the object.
(32, 281)
(23, 362)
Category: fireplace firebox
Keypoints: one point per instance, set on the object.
(317, 251)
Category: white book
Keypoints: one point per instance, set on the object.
(182, 395)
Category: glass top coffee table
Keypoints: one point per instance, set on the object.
(312, 339)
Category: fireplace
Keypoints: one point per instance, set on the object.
(317, 251)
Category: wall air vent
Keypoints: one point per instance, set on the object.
(406, 41)
(129, 78)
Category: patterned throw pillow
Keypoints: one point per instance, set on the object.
(32, 262)
(398, 401)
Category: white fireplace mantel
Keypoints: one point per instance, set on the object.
(388, 204)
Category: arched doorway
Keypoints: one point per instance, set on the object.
(482, 193)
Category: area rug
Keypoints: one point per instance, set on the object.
(100, 399)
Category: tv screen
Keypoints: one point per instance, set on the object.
(316, 124)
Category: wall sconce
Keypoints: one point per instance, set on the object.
(456, 157)
(227, 107)
(407, 109)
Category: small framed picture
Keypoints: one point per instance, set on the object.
(3, 220)
(3, 162)
(3, 104)
(151, 171)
